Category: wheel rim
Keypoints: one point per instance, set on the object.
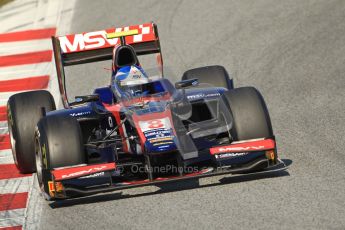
(13, 144)
(38, 160)
(39, 168)
(228, 125)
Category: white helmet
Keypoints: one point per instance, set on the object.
(130, 81)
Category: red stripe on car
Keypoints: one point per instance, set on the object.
(13, 201)
(26, 58)
(27, 35)
(244, 147)
(30, 83)
(115, 110)
(75, 172)
(8, 171)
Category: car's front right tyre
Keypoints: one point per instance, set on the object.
(23, 112)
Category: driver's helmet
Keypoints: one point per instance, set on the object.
(129, 82)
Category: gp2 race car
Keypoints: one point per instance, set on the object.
(139, 130)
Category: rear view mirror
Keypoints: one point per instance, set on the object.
(84, 99)
(186, 83)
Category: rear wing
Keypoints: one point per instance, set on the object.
(94, 46)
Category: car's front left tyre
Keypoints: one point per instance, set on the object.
(58, 143)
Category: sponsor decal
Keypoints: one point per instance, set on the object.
(196, 96)
(136, 76)
(80, 113)
(86, 41)
(160, 137)
(270, 154)
(167, 144)
(164, 146)
(154, 140)
(74, 172)
(162, 123)
(93, 175)
(229, 155)
(244, 147)
(83, 172)
(98, 39)
(203, 95)
(158, 133)
(58, 186)
(231, 149)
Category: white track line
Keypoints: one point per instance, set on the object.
(4, 96)
(8, 159)
(32, 70)
(11, 48)
(5, 152)
(3, 128)
(5, 158)
(16, 185)
(12, 217)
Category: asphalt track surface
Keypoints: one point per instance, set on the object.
(294, 53)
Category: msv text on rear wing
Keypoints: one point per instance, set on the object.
(94, 46)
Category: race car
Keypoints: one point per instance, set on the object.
(140, 129)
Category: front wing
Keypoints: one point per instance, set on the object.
(98, 178)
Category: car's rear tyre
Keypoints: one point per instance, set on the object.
(214, 76)
(250, 115)
(23, 112)
(58, 143)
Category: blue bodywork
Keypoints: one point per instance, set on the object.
(97, 111)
